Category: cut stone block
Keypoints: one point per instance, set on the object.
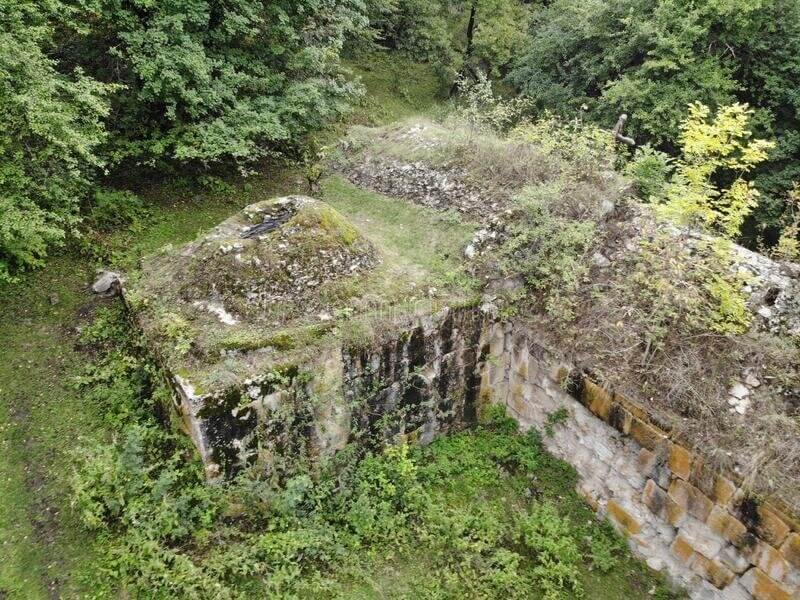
(683, 550)
(680, 461)
(692, 499)
(726, 525)
(791, 549)
(645, 434)
(713, 571)
(763, 587)
(627, 523)
(769, 560)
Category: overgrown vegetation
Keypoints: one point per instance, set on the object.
(490, 512)
(100, 90)
(652, 307)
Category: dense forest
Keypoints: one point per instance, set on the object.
(98, 92)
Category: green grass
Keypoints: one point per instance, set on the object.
(396, 87)
(421, 248)
(41, 419)
(479, 484)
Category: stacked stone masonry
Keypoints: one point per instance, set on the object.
(696, 525)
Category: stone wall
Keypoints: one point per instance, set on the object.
(430, 377)
(697, 525)
(413, 383)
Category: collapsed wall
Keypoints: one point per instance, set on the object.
(699, 526)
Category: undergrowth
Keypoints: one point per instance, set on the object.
(484, 513)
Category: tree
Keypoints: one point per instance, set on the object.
(711, 146)
(651, 58)
(51, 127)
(208, 81)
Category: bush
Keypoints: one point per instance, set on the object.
(556, 552)
(715, 149)
(549, 250)
(50, 129)
(114, 209)
(650, 170)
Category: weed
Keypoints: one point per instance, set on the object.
(557, 417)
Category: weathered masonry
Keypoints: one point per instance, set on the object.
(259, 328)
(680, 516)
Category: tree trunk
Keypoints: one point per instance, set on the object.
(470, 46)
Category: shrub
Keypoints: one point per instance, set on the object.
(114, 209)
(715, 149)
(650, 170)
(549, 537)
(549, 250)
(788, 246)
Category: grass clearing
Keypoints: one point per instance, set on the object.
(397, 88)
(422, 248)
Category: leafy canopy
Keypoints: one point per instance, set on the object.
(710, 146)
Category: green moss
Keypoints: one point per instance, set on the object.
(326, 220)
(287, 339)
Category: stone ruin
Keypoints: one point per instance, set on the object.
(246, 322)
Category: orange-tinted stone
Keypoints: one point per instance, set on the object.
(791, 549)
(680, 461)
(632, 407)
(771, 528)
(648, 436)
(712, 571)
(763, 587)
(769, 560)
(683, 550)
(646, 461)
(723, 491)
(726, 525)
(629, 524)
(676, 514)
(689, 497)
(619, 418)
(597, 400)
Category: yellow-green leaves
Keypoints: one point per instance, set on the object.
(715, 148)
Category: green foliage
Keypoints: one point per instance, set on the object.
(650, 170)
(482, 110)
(50, 131)
(605, 547)
(438, 32)
(477, 507)
(209, 81)
(788, 246)
(651, 59)
(558, 417)
(720, 148)
(549, 249)
(550, 537)
(114, 209)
